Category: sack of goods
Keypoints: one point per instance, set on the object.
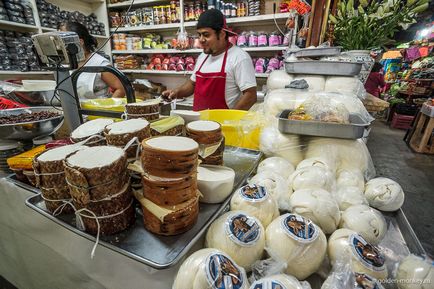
(100, 188)
(208, 134)
(95, 129)
(170, 199)
(50, 178)
(149, 110)
(121, 133)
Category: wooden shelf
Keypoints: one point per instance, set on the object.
(192, 51)
(17, 25)
(244, 20)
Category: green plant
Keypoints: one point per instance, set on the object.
(372, 25)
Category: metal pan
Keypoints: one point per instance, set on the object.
(318, 52)
(354, 130)
(341, 68)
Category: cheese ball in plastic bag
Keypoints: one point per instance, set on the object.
(347, 246)
(350, 178)
(280, 281)
(416, 269)
(278, 79)
(276, 185)
(366, 221)
(278, 100)
(257, 202)
(312, 178)
(349, 196)
(273, 143)
(317, 205)
(317, 162)
(297, 242)
(210, 268)
(278, 165)
(239, 235)
(384, 194)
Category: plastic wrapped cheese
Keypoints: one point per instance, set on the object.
(384, 194)
(417, 269)
(345, 85)
(318, 162)
(312, 178)
(276, 185)
(278, 79)
(278, 100)
(317, 205)
(257, 202)
(278, 165)
(316, 82)
(350, 178)
(348, 196)
(239, 235)
(210, 268)
(366, 221)
(297, 242)
(346, 245)
(274, 143)
(280, 281)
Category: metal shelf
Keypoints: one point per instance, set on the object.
(170, 72)
(52, 29)
(12, 72)
(191, 51)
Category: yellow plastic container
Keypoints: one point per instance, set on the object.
(110, 104)
(240, 127)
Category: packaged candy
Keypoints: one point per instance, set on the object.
(262, 39)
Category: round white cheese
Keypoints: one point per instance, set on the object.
(127, 126)
(350, 178)
(276, 185)
(316, 82)
(281, 281)
(349, 196)
(257, 202)
(215, 183)
(95, 157)
(298, 242)
(317, 162)
(416, 269)
(59, 153)
(278, 79)
(145, 103)
(203, 125)
(278, 165)
(384, 194)
(347, 246)
(366, 221)
(312, 177)
(210, 268)
(90, 128)
(239, 235)
(317, 205)
(173, 143)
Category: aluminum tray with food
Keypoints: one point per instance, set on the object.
(28, 123)
(161, 252)
(353, 130)
(344, 68)
(318, 51)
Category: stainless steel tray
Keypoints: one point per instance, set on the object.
(323, 67)
(354, 130)
(13, 179)
(159, 251)
(318, 52)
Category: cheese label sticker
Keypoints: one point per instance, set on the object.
(223, 273)
(367, 254)
(299, 228)
(364, 281)
(267, 284)
(254, 193)
(242, 229)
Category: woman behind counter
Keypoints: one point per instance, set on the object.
(93, 85)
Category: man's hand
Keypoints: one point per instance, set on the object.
(170, 94)
(184, 90)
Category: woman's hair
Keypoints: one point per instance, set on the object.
(377, 67)
(90, 42)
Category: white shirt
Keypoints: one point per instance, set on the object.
(240, 73)
(90, 85)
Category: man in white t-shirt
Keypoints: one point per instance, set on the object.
(224, 76)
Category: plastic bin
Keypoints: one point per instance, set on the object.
(401, 121)
(240, 128)
(109, 104)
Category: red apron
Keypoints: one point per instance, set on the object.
(209, 90)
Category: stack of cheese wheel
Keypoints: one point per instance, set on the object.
(149, 110)
(99, 185)
(50, 177)
(208, 134)
(93, 128)
(120, 133)
(170, 201)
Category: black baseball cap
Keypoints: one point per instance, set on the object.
(214, 19)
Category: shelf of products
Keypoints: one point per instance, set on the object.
(10, 24)
(48, 29)
(191, 51)
(165, 72)
(126, 4)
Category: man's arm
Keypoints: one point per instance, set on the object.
(184, 90)
(247, 99)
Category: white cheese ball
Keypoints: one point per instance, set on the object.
(350, 178)
(278, 165)
(276, 185)
(280, 281)
(312, 178)
(257, 202)
(298, 242)
(278, 79)
(366, 221)
(349, 196)
(418, 269)
(321, 162)
(273, 143)
(239, 235)
(207, 268)
(384, 194)
(316, 82)
(347, 246)
(317, 205)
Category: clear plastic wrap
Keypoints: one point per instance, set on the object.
(318, 162)
(319, 206)
(347, 196)
(278, 100)
(316, 82)
(210, 268)
(345, 85)
(278, 165)
(350, 178)
(280, 281)
(341, 276)
(384, 194)
(313, 177)
(278, 79)
(239, 235)
(415, 272)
